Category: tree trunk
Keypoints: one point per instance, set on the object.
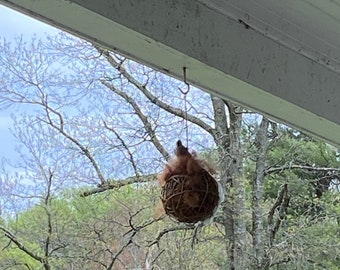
(261, 143)
(230, 151)
(236, 171)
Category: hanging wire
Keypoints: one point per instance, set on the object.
(185, 104)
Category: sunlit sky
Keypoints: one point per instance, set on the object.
(14, 24)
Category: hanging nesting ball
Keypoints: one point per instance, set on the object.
(190, 198)
(189, 192)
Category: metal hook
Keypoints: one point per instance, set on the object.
(185, 81)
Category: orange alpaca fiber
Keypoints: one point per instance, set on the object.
(189, 192)
(183, 164)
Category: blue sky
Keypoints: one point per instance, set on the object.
(13, 24)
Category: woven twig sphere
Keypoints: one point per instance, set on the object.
(190, 198)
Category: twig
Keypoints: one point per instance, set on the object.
(165, 231)
(126, 147)
(282, 201)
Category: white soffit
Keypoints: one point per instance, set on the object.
(280, 58)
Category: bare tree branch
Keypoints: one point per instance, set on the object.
(132, 233)
(126, 147)
(119, 183)
(47, 202)
(148, 127)
(155, 100)
(60, 127)
(21, 246)
(61, 130)
(301, 167)
(115, 257)
(173, 229)
(281, 202)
